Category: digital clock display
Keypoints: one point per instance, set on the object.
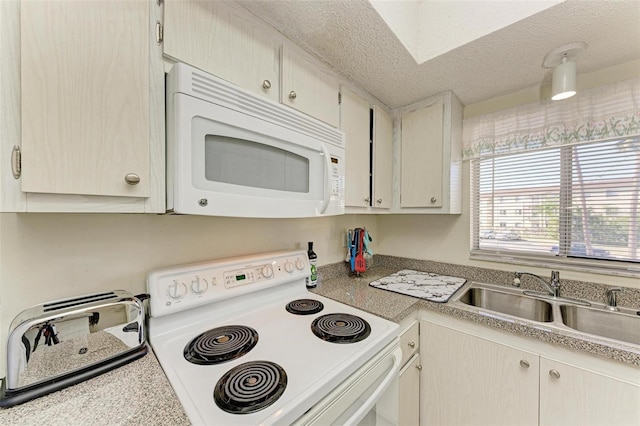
(240, 277)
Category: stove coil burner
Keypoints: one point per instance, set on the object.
(221, 344)
(305, 307)
(340, 328)
(250, 387)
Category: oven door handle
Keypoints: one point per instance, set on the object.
(375, 396)
(327, 183)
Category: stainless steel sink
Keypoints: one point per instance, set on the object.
(623, 325)
(508, 303)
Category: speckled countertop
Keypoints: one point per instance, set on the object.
(139, 393)
(355, 291)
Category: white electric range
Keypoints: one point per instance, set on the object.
(242, 341)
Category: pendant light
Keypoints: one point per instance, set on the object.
(563, 62)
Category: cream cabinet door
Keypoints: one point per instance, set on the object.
(421, 157)
(409, 402)
(85, 97)
(306, 88)
(467, 380)
(355, 124)
(382, 159)
(574, 396)
(217, 38)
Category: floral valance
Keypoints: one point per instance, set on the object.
(599, 113)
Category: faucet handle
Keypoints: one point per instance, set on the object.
(612, 301)
(555, 278)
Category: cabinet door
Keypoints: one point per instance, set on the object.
(421, 162)
(355, 123)
(409, 402)
(467, 380)
(85, 97)
(214, 37)
(574, 396)
(382, 159)
(309, 90)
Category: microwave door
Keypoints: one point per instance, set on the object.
(267, 173)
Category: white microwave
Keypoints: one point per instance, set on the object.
(231, 152)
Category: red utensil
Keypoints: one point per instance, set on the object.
(361, 264)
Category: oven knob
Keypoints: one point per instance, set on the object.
(267, 271)
(288, 266)
(176, 290)
(300, 264)
(199, 286)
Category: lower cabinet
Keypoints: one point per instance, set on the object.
(468, 380)
(575, 396)
(409, 402)
(472, 380)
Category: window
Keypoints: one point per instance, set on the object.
(569, 194)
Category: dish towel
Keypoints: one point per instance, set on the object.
(424, 285)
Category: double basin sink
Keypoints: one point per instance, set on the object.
(596, 319)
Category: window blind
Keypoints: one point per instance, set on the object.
(572, 202)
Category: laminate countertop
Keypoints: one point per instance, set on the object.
(139, 393)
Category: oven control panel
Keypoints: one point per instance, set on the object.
(181, 287)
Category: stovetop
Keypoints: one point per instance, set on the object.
(313, 366)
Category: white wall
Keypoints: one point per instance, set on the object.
(46, 257)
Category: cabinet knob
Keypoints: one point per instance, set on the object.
(379, 201)
(524, 363)
(434, 199)
(132, 178)
(292, 95)
(419, 367)
(266, 84)
(366, 200)
(412, 344)
(554, 374)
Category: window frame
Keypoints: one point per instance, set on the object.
(563, 259)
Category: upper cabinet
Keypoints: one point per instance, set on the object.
(218, 39)
(382, 159)
(308, 89)
(355, 118)
(222, 39)
(369, 147)
(90, 133)
(430, 156)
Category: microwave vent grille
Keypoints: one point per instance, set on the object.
(222, 93)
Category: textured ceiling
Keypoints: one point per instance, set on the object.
(354, 41)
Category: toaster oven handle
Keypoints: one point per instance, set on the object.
(375, 396)
(327, 183)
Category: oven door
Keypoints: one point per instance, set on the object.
(227, 163)
(368, 397)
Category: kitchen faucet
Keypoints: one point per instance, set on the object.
(612, 301)
(553, 287)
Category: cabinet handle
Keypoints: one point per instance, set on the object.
(434, 199)
(419, 367)
(266, 84)
(292, 95)
(132, 178)
(412, 344)
(524, 363)
(554, 374)
(366, 200)
(379, 201)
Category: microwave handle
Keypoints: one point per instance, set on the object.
(327, 186)
(373, 399)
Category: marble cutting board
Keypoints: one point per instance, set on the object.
(424, 285)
